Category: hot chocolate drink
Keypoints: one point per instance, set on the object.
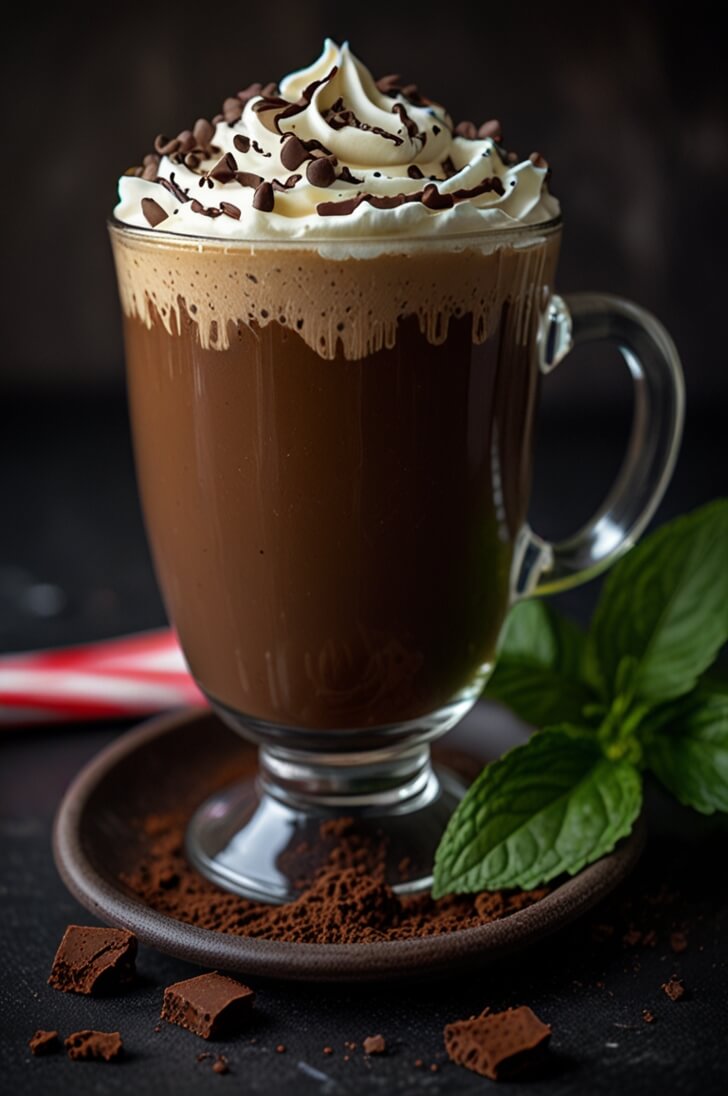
(333, 429)
(337, 306)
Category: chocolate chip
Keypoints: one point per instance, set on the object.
(105, 1046)
(44, 1042)
(320, 172)
(538, 160)
(231, 210)
(203, 132)
(490, 129)
(433, 199)
(469, 130)
(374, 1044)
(241, 143)
(250, 92)
(293, 153)
(153, 212)
(165, 146)
(264, 198)
(232, 109)
(414, 172)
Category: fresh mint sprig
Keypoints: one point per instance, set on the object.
(629, 696)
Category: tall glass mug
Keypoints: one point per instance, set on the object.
(334, 446)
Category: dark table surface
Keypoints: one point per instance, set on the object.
(74, 567)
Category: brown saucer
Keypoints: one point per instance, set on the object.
(158, 765)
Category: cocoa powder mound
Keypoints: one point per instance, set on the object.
(343, 900)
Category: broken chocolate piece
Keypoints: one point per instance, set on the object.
(674, 989)
(208, 1005)
(153, 212)
(94, 960)
(85, 1046)
(44, 1042)
(499, 1044)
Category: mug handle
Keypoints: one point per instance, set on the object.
(540, 567)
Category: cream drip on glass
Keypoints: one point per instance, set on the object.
(333, 154)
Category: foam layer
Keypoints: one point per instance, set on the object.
(336, 303)
(398, 153)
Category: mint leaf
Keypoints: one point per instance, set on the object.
(663, 611)
(538, 665)
(687, 750)
(550, 806)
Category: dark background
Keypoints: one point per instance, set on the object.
(629, 106)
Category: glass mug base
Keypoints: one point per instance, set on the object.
(251, 837)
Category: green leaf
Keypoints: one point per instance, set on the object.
(687, 750)
(550, 806)
(663, 611)
(537, 671)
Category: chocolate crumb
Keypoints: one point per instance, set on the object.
(678, 942)
(648, 1016)
(153, 212)
(374, 1044)
(328, 1050)
(44, 1042)
(293, 152)
(220, 1065)
(434, 1067)
(497, 1045)
(104, 1046)
(418, 1063)
(280, 1049)
(674, 988)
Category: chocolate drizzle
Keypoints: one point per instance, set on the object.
(430, 197)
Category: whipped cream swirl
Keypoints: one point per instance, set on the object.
(333, 155)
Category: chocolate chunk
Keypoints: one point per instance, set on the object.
(490, 129)
(414, 172)
(44, 1042)
(241, 143)
(320, 172)
(220, 1065)
(153, 212)
(497, 1045)
(89, 959)
(231, 210)
(85, 1046)
(647, 1016)
(264, 197)
(433, 199)
(375, 1044)
(293, 153)
(674, 989)
(208, 1005)
(538, 160)
(224, 170)
(466, 129)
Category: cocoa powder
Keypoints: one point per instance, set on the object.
(344, 900)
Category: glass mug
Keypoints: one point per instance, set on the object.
(333, 444)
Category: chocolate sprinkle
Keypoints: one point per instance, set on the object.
(433, 199)
(248, 178)
(174, 188)
(264, 198)
(320, 172)
(231, 210)
(153, 212)
(259, 149)
(165, 146)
